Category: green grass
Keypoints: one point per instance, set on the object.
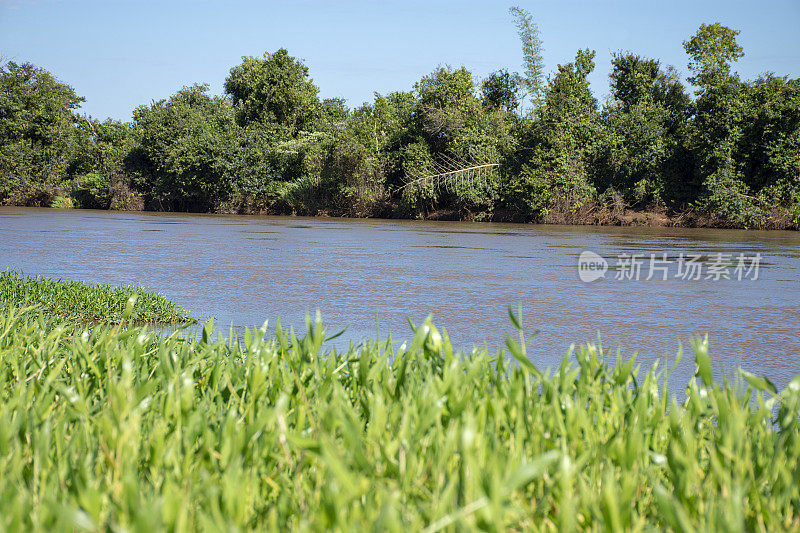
(87, 303)
(115, 428)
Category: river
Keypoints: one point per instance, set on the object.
(361, 274)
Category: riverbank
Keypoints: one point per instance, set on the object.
(589, 214)
(122, 429)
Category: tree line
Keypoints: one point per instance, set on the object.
(723, 152)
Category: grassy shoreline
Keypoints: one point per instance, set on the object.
(109, 428)
(88, 303)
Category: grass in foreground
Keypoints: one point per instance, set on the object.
(87, 303)
(121, 429)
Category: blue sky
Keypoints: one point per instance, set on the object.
(121, 54)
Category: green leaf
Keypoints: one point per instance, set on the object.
(703, 360)
(517, 353)
(672, 510)
(533, 470)
(759, 382)
(516, 319)
(129, 305)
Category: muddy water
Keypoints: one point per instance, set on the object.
(244, 270)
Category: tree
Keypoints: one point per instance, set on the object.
(711, 51)
(445, 103)
(716, 129)
(446, 87)
(552, 167)
(99, 177)
(273, 91)
(185, 150)
(528, 32)
(501, 90)
(769, 149)
(333, 115)
(755, 166)
(37, 133)
(634, 78)
(640, 156)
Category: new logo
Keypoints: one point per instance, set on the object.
(591, 266)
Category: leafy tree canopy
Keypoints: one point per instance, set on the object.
(37, 119)
(711, 51)
(275, 89)
(501, 90)
(185, 143)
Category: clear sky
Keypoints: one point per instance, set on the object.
(121, 54)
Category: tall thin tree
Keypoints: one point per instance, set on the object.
(531, 53)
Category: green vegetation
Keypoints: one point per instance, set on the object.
(531, 53)
(726, 155)
(87, 303)
(121, 429)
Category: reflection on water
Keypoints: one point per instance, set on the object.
(360, 273)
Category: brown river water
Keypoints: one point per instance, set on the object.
(243, 270)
